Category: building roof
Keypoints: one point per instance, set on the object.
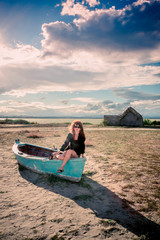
(128, 110)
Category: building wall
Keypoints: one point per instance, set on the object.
(131, 120)
(112, 120)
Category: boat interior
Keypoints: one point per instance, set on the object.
(35, 150)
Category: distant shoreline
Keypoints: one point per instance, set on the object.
(69, 117)
(58, 120)
(23, 117)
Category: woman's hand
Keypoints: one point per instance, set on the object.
(56, 154)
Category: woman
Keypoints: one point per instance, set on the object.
(73, 146)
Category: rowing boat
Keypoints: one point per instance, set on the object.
(36, 158)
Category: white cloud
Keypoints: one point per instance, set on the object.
(72, 9)
(23, 70)
(85, 100)
(147, 104)
(147, 107)
(88, 73)
(93, 3)
(13, 106)
(102, 29)
(140, 2)
(73, 57)
(87, 109)
(21, 54)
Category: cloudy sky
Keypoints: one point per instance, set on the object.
(79, 58)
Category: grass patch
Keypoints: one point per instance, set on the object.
(142, 237)
(34, 135)
(147, 204)
(56, 135)
(110, 230)
(37, 238)
(128, 186)
(87, 123)
(84, 184)
(89, 173)
(156, 193)
(86, 226)
(82, 197)
(108, 222)
(125, 203)
(67, 123)
(54, 180)
(57, 220)
(56, 237)
(74, 232)
(88, 144)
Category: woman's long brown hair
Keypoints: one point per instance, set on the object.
(81, 128)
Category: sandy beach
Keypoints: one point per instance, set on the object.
(111, 201)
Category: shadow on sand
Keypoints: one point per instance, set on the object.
(103, 202)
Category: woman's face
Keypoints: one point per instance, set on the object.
(77, 127)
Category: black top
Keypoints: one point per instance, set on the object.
(77, 145)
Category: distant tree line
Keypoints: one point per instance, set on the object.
(17, 121)
(148, 122)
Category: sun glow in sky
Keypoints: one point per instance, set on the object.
(79, 58)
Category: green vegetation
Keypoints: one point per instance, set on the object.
(89, 173)
(108, 222)
(83, 197)
(148, 122)
(17, 121)
(67, 123)
(56, 237)
(84, 184)
(57, 220)
(54, 180)
(103, 124)
(34, 135)
(87, 123)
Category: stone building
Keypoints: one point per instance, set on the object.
(130, 117)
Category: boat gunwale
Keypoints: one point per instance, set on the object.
(22, 154)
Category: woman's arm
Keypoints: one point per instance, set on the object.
(66, 143)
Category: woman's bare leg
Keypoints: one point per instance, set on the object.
(59, 156)
(69, 154)
(62, 156)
